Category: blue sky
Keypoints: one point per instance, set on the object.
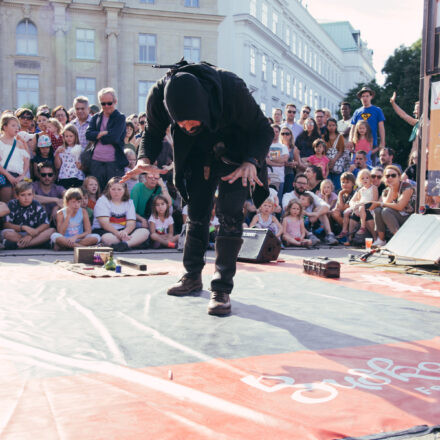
(384, 24)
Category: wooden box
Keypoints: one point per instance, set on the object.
(85, 254)
(322, 267)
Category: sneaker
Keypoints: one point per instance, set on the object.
(379, 243)
(10, 245)
(121, 247)
(314, 239)
(330, 239)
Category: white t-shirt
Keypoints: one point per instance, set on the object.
(317, 201)
(118, 214)
(275, 152)
(16, 162)
(161, 226)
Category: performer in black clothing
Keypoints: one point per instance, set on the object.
(221, 139)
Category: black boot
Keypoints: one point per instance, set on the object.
(227, 249)
(193, 261)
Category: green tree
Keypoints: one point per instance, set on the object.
(402, 75)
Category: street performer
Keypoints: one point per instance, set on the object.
(221, 139)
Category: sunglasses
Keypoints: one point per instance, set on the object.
(142, 122)
(29, 118)
(375, 176)
(393, 175)
(46, 174)
(106, 103)
(306, 111)
(285, 134)
(291, 111)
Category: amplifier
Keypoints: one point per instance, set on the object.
(322, 267)
(259, 246)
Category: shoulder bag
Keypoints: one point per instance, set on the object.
(3, 179)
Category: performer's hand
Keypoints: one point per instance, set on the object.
(141, 168)
(248, 173)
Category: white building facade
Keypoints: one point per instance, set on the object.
(285, 55)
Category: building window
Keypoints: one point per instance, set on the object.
(294, 88)
(191, 3)
(143, 89)
(306, 48)
(311, 97)
(263, 107)
(86, 87)
(253, 7)
(28, 88)
(274, 23)
(85, 44)
(282, 80)
(274, 74)
(310, 58)
(252, 60)
(26, 38)
(294, 43)
(264, 14)
(191, 49)
(288, 84)
(300, 91)
(147, 48)
(300, 48)
(147, 1)
(287, 36)
(264, 68)
(316, 101)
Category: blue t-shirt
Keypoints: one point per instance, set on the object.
(373, 115)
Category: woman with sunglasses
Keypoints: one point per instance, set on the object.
(395, 206)
(286, 138)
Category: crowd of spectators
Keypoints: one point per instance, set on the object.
(331, 180)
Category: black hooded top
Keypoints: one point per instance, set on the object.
(217, 98)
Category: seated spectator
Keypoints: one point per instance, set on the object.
(14, 156)
(396, 204)
(314, 178)
(54, 129)
(107, 131)
(327, 193)
(276, 159)
(377, 179)
(304, 142)
(4, 211)
(360, 163)
(162, 224)
(73, 224)
(359, 208)
(84, 204)
(265, 219)
(44, 154)
(131, 157)
(46, 192)
(115, 218)
(67, 159)
(293, 230)
(91, 188)
(410, 173)
(335, 151)
(317, 211)
(386, 157)
(319, 159)
(143, 194)
(344, 196)
(129, 137)
(27, 224)
(61, 114)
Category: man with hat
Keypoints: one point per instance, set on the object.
(373, 115)
(221, 139)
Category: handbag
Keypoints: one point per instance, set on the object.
(3, 179)
(338, 167)
(86, 157)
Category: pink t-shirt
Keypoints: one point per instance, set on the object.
(363, 144)
(104, 152)
(321, 162)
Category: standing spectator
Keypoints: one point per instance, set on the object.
(363, 139)
(320, 121)
(277, 158)
(129, 136)
(107, 130)
(344, 124)
(26, 224)
(335, 151)
(42, 118)
(305, 113)
(293, 159)
(94, 109)
(83, 118)
(142, 122)
(277, 115)
(397, 203)
(304, 142)
(72, 114)
(115, 218)
(134, 119)
(26, 118)
(14, 156)
(295, 128)
(143, 194)
(373, 115)
(67, 159)
(61, 114)
(46, 192)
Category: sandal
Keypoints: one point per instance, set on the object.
(342, 235)
(362, 231)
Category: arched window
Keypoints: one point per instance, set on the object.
(26, 38)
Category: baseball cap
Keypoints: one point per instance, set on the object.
(44, 141)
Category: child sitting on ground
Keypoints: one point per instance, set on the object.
(162, 224)
(294, 232)
(91, 188)
(131, 157)
(345, 194)
(73, 224)
(326, 193)
(265, 220)
(26, 224)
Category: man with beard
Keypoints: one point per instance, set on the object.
(221, 138)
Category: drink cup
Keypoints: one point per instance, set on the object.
(368, 243)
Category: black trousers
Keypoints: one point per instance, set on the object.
(104, 171)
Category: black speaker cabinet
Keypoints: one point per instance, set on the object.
(259, 246)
